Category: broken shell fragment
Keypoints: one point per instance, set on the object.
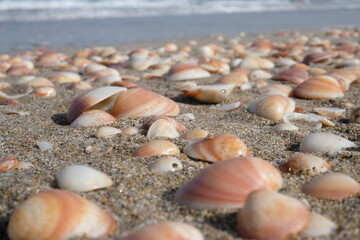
(209, 93)
(332, 186)
(93, 118)
(8, 163)
(44, 146)
(129, 131)
(82, 178)
(183, 71)
(156, 148)
(107, 132)
(236, 78)
(166, 164)
(194, 134)
(305, 164)
(330, 112)
(59, 214)
(162, 128)
(318, 226)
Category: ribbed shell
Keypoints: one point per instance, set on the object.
(156, 148)
(293, 75)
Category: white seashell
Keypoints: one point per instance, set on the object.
(162, 128)
(278, 89)
(285, 127)
(324, 120)
(106, 132)
(259, 74)
(317, 226)
(93, 118)
(284, 62)
(324, 142)
(195, 134)
(94, 67)
(129, 131)
(44, 146)
(227, 107)
(189, 116)
(166, 164)
(182, 71)
(330, 112)
(82, 178)
(290, 117)
(109, 79)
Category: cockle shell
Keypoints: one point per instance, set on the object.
(106, 132)
(317, 226)
(344, 77)
(93, 118)
(217, 148)
(293, 75)
(66, 77)
(194, 134)
(166, 231)
(209, 93)
(270, 215)
(355, 116)
(59, 214)
(156, 148)
(82, 179)
(253, 62)
(183, 71)
(305, 164)
(236, 78)
(227, 183)
(324, 142)
(333, 186)
(139, 102)
(272, 107)
(162, 128)
(49, 59)
(320, 87)
(166, 164)
(177, 125)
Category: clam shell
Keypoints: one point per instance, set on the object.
(285, 127)
(66, 77)
(209, 93)
(216, 66)
(355, 116)
(305, 164)
(317, 57)
(226, 184)
(49, 59)
(317, 226)
(82, 179)
(138, 102)
(278, 89)
(40, 82)
(254, 62)
(194, 134)
(93, 118)
(45, 91)
(156, 148)
(270, 215)
(59, 214)
(330, 112)
(183, 71)
(293, 75)
(324, 142)
(8, 163)
(162, 128)
(235, 78)
(106, 132)
(177, 125)
(259, 74)
(166, 164)
(332, 186)
(217, 148)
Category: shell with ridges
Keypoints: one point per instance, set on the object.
(156, 148)
(166, 164)
(183, 71)
(293, 75)
(8, 163)
(194, 134)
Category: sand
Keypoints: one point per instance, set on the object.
(140, 196)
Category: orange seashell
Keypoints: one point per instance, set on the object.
(66, 77)
(293, 75)
(177, 125)
(305, 164)
(129, 131)
(93, 118)
(183, 71)
(344, 77)
(216, 66)
(226, 184)
(194, 134)
(236, 78)
(123, 83)
(333, 186)
(59, 214)
(166, 231)
(40, 82)
(317, 57)
(8, 163)
(81, 62)
(156, 148)
(262, 45)
(270, 215)
(321, 87)
(254, 61)
(45, 91)
(9, 102)
(139, 102)
(217, 148)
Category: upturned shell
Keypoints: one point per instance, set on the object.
(226, 184)
(293, 75)
(217, 148)
(93, 118)
(162, 128)
(177, 125)
(355, 116)
(156, 148)
(194, 134)
(236, 78)
(324, 142)
(272, 107)
(306, 164)
(139, 102)
(166, 164)
(82, 178)
(183, 71)
(270, 215)
(317, 226)
(59, 214)
(166, 231)
(317, 57)
(333, 186)
(209, 93)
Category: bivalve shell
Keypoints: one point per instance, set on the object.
(162, 128)
(306, 164)
(236, 78)
(93, 118)
(177, 125)
(166, 164)
(194, 134)
(209, 93)
(318, 226)
(293, 75)
(66, 77)
(253, 62)
(355, 116)
(156, 148)
(8, 163)
(107, 132)
(183, 71)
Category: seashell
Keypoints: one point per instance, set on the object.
(227, 107)
(209, 93)
(315, 71)
(82, 179)
(49, 59)
(285, 127)
(107, 132)
(79, 86)
(40, 82)
(355, 116)
(332, 186)
(93, 118)
(259, 74)
(284, 62)
(98, 98)
(321, 87)
(4, 96)
(262, 45)
(171, 47)
(346, 46)
(162, 128)
(166, 164)
(206, 51)
(157, 71)
(108, 79)
(44, 146)
(216, 66)
(94, 67)
(278, 89)
(324, 142)
(124, 83)
(94, 76)
(187, 116)
(270, 215)
(21, 68)
(217, 148)
(293, 75)
(66, 77)
(226, 184)
(165, 231)
(129, 131)
(177, 125)
(317, 57)
(4, 85)
(310, 118)
(156, 148)
(8, 163)
(235, 78)
(45, 91)
(253, 62)
(318, 226)
(186, 84)
(272, 107)
(139, 102)
(330, 112)
(183, 71)
(195, 134)
(81, 62)
(9, 102)
(59, 214)
(305, 164)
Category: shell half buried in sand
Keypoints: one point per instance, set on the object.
(209, 93)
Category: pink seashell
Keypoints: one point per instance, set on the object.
(9, 102)
(162, 128)
(93, 118)
(226, 184)
(253, 62)
(66, 77)
(317, 226)
(270, 215)
(166, 231)
(320, 87)
(177, 125)
(183, 71)
(278, 89)
(45, 91)
(333, 186)
(139, 102)
(293, 75)
(49, 59)
(209, 93)
(346, 46)
(317, 57)
(156, 148)
(262, 45)
(235, 78)
(355, 116)
(305, 164)
(59, 214)
(8, 163)
(195, 134)
(123, 83)
(344, 77)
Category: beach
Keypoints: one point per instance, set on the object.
(140, 196)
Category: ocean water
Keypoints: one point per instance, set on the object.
(39, 10)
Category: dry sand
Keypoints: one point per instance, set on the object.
(139, 196)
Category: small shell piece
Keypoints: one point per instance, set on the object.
(166, 164)
(44, 146)
(306, 164)
(165, 231)
(236, 78)
(156, 148)
(227, 107)
(332, 186)
(330, 112)
(318, 226)
(217, 148)
(177, 125)
(324, 142)
(93, 118)
(183, 71)
(82, 178)
(8, 163)
(272, 107)
(162, 128)
(355, 116)
(59, 214)
(107, 132)
(259, 74)
(129, 131)
(270, 215)
(226, 184)
(194, 134)
(209, 93)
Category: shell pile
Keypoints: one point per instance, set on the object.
(267, 128)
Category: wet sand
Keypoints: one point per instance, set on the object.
(139, 196)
